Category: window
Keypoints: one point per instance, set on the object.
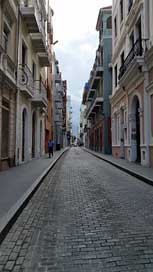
(115, 129)
(121, 10)
(109, 22)
(122, 58)
(130, 5)
(115, 26)
(115, 75)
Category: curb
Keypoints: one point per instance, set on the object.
(126, 170)
(9, 219)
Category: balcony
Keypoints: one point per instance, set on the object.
(134, 61)
(31, 15)
(25, 80)
(43, 59)
(94, 105)
(7, 67)
(134, 9)
(40, 94)
(59, 105)
(38, 43)
(32, 18)
(96, 75)
(58, 78)
(58, 119)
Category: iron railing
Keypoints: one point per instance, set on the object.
(137, 50)
(25, 78)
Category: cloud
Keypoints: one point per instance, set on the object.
(74, 27)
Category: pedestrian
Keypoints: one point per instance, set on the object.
(50, 147)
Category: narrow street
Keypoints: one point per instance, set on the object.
(87, 216)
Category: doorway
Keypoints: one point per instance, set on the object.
(136, 131)
(34, 135)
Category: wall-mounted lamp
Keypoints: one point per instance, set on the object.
(55, 42)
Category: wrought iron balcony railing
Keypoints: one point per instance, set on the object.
(7, 65)
(137, 50)
(25, 79)
(97, 97)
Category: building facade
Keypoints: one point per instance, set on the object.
(130, 102)
(31, 76)
(69, 120)
(98, 112)
(8, 84)
(58, 93)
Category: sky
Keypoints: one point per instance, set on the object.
(74, 25)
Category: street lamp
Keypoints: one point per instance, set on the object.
(55, 42)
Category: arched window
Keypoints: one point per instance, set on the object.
(109, 22)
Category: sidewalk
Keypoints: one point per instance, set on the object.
(141, 172)
(17, 183)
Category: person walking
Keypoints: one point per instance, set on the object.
(50, 147)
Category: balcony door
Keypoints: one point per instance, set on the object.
(135, 131)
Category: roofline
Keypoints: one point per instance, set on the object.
(108, 8)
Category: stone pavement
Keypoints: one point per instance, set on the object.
(87, 216)
(15, 182)
(135, 169)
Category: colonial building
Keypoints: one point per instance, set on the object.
(8, 84)
(32, 93)
(131, 74)
(98, 113)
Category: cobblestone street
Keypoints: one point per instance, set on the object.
(87, 216)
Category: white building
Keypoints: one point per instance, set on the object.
(31, 76)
